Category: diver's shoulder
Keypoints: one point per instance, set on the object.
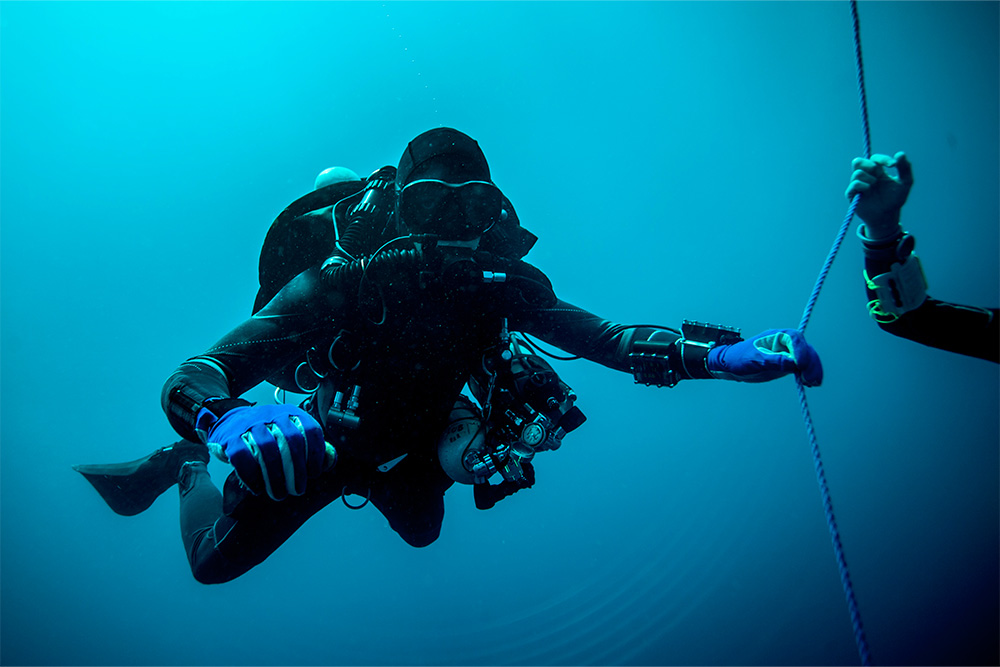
(307, 289)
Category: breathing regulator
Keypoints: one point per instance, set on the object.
(523, 408)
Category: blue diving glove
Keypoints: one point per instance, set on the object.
(274, 448)
(767, 356)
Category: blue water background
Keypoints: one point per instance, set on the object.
(676, 160)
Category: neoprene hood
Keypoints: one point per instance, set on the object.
(443, 142)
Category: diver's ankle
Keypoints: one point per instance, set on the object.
(188, 475)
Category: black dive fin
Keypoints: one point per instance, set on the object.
(130, 488)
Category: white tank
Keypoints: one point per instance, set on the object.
(465, 432)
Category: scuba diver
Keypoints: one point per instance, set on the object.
(894, 279)
(423, 295)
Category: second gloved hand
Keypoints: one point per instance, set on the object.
(767, 356)
(882, 193)
(275, 449)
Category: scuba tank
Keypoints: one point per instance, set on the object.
(464, 439)
(297, 240)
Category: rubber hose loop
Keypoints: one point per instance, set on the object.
(368, 497)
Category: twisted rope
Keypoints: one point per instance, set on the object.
(831, 521)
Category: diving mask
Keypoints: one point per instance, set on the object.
(456, 211)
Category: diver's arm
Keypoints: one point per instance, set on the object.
(894, 279)
(248, 354)
(584, 334)
(662, 356)
(899, 304)
(534, 308)
(949, 326)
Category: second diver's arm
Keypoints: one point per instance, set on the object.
(894, 280)
(899, 303)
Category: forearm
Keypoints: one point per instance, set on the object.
(190, 387)
(894, 278)
(654, 355)
(898, 302)
(584, 334)
(949, 326)
(243, 359)
(249, 354)
(661, 356)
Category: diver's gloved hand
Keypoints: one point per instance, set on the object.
(882, 194)
(275, 449)
(767, 356)
(488, 495)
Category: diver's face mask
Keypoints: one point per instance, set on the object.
(451, 211)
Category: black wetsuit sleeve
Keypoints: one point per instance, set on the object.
(947, 326)
(538, 312)
(584, 334)
(273, 337)
(950, 326)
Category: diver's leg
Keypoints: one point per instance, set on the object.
(130, 488)
(411, 497)
(201, 509)
(221, 547)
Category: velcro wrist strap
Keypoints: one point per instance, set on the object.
(220, 406)
(887, 241)
(893, 249)
(693, 359)
(902, 289)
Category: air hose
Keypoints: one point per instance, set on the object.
(376, 205)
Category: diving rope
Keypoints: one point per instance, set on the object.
(831, 521)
